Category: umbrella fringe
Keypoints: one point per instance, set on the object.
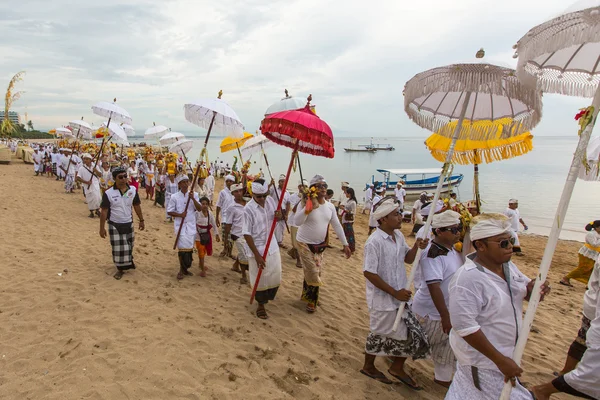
(286, 133)
(559, 33)
(438, 146)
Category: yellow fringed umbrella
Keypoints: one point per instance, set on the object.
(475, 152)
(230, 143)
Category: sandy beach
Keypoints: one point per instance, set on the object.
(68, 330)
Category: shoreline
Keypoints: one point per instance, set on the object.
(72, 331)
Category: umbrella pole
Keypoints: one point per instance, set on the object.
(561, 211)
(272, 179)
(476, 187)
(266, 252)
(300, 168)
(101, 146)
(240, 154)
(187, 204)
(436, 197)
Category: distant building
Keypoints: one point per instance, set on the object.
(12, 115)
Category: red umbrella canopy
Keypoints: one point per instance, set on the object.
(300, 129)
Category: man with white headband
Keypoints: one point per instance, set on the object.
(438, 264)
(379, 193)
(234, 226)
(513, 214)
(368, 198)
(486, 303)
(258, 217)
(223, 202)
(385, 254)
(276, 193)
(294, 201)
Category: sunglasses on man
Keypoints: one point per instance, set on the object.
(453, 229)
(504, 243)
(261, 196)
(121, 176)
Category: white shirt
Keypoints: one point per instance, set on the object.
(85, 174)
(177, 204)
(434, 269)
(593, 239)
(201, 190)
(210, 184)
(235, 218)
(37, 157)
(313, 228)
(205, 220)
(132, 172)
(65, 162)
(400, 193)
(286, 197)
(257, 224)
(170, 188)
(224, 201)
(349, 208)
(369, 195)
(592, 295)
(119, 205)
(294, 200)
(55, 158)
(481, 300)
(514, 216)
(385, 258)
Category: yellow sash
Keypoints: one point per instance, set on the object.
(589, 246)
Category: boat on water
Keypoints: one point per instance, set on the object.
(359, 150)
(378, 147)
(416, 181)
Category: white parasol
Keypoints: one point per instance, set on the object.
(81, 128)
(155, 131)
(467, 93)
(170, 138)
(117, 134)
(215, 113)
(253, 145)
(64, 132)
(182, 146)
(561, 56)
(129, 130)
(286, 104)
(112, 111)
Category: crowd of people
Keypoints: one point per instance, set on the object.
(465, 311)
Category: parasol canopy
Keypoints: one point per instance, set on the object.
(255, 144)
(285, 104)
(170, 138)
(112, 111)
(155, 131)
(215, 112)
(181, 147)
(468, 152)
(230, 143)
(129, 130)
(300, 129)
(561, 55)
(63, 132)
(81, 128)
(116, 133)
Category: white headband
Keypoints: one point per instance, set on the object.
(488, 225)
(230, 178)
(316, 179)
(385, 208)
(445, 219)
(257, 188)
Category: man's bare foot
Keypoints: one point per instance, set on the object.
(244, 280)
(236, 266)
(442, 383)
(188, 273)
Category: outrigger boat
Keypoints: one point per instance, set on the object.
(415, 181)
(359, 149)
(377, 147)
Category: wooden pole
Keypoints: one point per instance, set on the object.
(270, 237)
(272, 179)
(195, 179)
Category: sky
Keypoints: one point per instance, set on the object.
(354, 57)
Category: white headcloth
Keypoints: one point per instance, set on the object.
(385, 208)
(488, 225)
(258, 188)
(316, 179)
(230, 178)
(447, 218)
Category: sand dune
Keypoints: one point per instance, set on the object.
(68, 330)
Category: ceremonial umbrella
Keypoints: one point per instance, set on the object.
(113, 112)
(300, 130)
(84, 130)
(472, 92)
(129, 130)
(209, 114)
(178, 144)
(561, 56)
(475, 152)
(231, 143)
(170, 138)
(63, 131)
(255, 144)
(155, 131)
(285, 104)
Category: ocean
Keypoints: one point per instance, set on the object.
(536, 179)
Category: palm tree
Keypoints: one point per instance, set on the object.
(7, 128)
(30, 125)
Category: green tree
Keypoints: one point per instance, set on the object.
(30, 125)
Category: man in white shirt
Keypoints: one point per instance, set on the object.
(210, 184)
(258, 217)
(514, 216)
(417, 218)
(116, 206)
(91, 182)
(368, 198)
(379, 193)
(223, 202)
(201, 188)
(342, 199)
(38, 165)
(68, 168)
(486, 303)
(234, 226)
(438, 264)
(386, 252)
(581, 377)
(55, 159)
(186, 216)
(400, 194)
(276, 193)
(295, 200)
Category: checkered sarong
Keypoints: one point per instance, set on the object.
(122, 248)
(54, 169)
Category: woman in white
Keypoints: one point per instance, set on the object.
(170, 189)
(311, 239)
(348, 212)
(206, 227)
(588, 254)
(133, 172)
(150, 177)
(294, 202)
(486, 303)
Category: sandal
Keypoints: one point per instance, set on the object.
(380, 377)
(408, 382)
(180, 276)
(203, 274)
(262, 313)
(310, 308)
(562, 282)
(243, 280)
(118, 275)
(188, 273)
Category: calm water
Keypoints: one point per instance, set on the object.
(536, 179)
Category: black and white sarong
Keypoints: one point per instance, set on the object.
(121, 240)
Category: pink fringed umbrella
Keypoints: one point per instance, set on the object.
(303, 131)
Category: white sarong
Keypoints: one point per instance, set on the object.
(271, 275)
(586, 377)
(491, 383)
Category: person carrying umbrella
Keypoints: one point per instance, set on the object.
(311, 238)
(588, 254)
(258, 214)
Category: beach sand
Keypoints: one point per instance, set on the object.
(68, 330)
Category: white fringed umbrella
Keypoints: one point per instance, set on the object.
(81, 128)
(155, 131)
(465, 94)
(286, 104)
(561, 56)
(258, 143)
(64, 132)
(116, 134)
(113, 112)
(170, 138)
(129, 130)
